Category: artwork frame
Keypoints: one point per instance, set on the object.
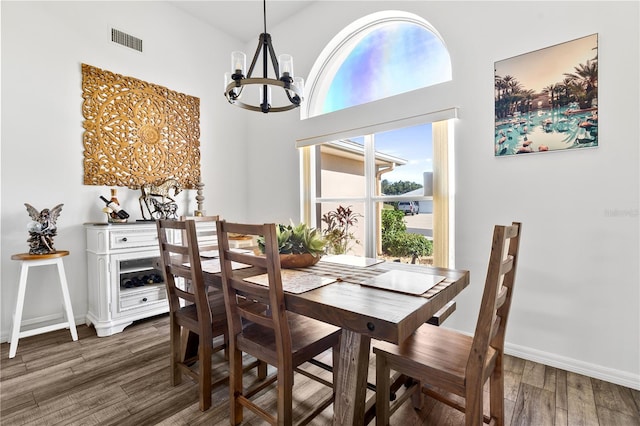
(547, 100)
(138, 133)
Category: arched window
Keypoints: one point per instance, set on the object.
(380, 55)
(385, 165)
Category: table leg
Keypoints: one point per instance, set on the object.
(351, 386)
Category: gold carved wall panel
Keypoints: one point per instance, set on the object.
(138, 133)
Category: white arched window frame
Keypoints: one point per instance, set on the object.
(378, 116)
(341, 46)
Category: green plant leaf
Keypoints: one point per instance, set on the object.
(297, 239)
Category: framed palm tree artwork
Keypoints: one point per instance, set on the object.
(547, 100)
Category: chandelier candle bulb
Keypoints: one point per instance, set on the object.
(116, 208)
(238, 63)
(298, 82)
(286, 66)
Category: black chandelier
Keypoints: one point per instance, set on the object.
(236, 81)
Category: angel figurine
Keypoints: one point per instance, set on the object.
(42, 229)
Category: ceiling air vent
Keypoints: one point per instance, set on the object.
(126, 40)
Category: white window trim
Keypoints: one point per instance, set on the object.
(380, 127)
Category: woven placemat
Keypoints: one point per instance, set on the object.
(357, 275)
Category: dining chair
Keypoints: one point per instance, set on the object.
(190, 307)
(281, 338)
(206, 236)
(447, 362)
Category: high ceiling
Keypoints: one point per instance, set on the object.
(242, 19)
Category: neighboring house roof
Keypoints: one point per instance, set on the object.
(417, 192)
(353, 150)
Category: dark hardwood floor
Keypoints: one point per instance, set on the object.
(124, 380)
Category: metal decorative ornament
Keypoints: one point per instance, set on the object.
(157, 200)
(42, 229)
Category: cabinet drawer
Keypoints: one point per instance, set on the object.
(138, 299)
(133, 238)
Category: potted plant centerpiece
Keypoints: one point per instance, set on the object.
(299, 245)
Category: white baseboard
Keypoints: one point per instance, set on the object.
(607, 374)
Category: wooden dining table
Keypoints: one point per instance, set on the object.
(364, 313)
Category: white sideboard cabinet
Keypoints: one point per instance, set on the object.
(124, 283)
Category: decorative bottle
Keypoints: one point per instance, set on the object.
(114, 200)
(121, 215)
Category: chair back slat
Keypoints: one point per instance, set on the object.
(513, 230)
(237, 290)
(188, 296)
(507, 265)
(180, 270)
(176, 249)
(495, 327)
(259, 293)
(502, 296)
(496, 298)
(257, 260)
(256, 317)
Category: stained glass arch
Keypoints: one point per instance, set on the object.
(380, 55)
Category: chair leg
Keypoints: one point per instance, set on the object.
(473, 401)
(204, 374)
(335, 359)
(226, 345)
(235, 385)
(496, 398)
(175, 332)
(383, 390)
(285, 396)
(416, 396)
(262, 370)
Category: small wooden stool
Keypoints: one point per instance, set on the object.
(31, 260)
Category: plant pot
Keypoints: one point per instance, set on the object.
(290, 261)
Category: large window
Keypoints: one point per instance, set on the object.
(395, 176)
(379, 181)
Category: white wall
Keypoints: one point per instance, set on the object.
(577, 301)
(43, 45)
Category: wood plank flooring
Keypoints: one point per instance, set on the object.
(124, 380)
